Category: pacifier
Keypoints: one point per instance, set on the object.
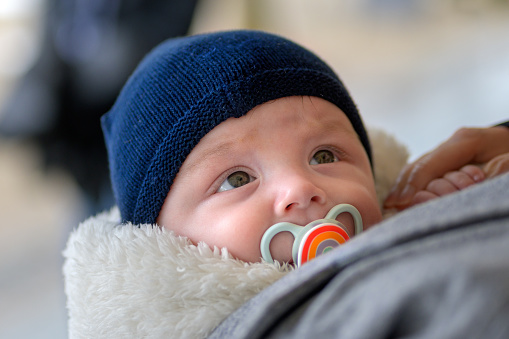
(314, 239)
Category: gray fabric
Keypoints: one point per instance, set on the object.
(440, 270)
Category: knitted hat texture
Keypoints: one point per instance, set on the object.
(184, 88)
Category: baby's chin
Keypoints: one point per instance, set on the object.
(281, 251)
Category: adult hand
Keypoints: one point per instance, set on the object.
(467, 146)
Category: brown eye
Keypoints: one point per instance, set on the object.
(323, 157)
(235, 180)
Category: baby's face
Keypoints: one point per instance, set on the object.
(291, 159)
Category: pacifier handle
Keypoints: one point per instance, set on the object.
(271, 232)
(341, 208)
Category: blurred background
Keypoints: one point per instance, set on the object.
(419, 69)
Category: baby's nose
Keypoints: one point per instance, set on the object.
(296, 192)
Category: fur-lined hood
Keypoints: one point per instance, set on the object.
(142, 281)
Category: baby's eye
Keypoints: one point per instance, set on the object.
(235, 180)
(323, 157)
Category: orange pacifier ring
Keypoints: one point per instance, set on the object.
(316, 238)
(319, 240)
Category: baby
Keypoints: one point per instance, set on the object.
(220, 136)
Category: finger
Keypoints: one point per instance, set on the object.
(460, 179)
(494, 142)
(474, 172)
(441, 187)
(393, 197)
(497, 166)
(422, 196)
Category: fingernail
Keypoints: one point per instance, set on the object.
(478, 177)
(406, 195)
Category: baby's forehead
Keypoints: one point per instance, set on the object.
(299, 112)
(304, 117)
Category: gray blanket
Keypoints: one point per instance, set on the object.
(440, 270)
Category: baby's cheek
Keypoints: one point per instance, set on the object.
(281, 247)
(372, 215)
(347, 220)
(241, 241)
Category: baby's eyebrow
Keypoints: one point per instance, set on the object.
(333, 127)
(216, 150)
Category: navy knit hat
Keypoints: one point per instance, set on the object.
(187, 86)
